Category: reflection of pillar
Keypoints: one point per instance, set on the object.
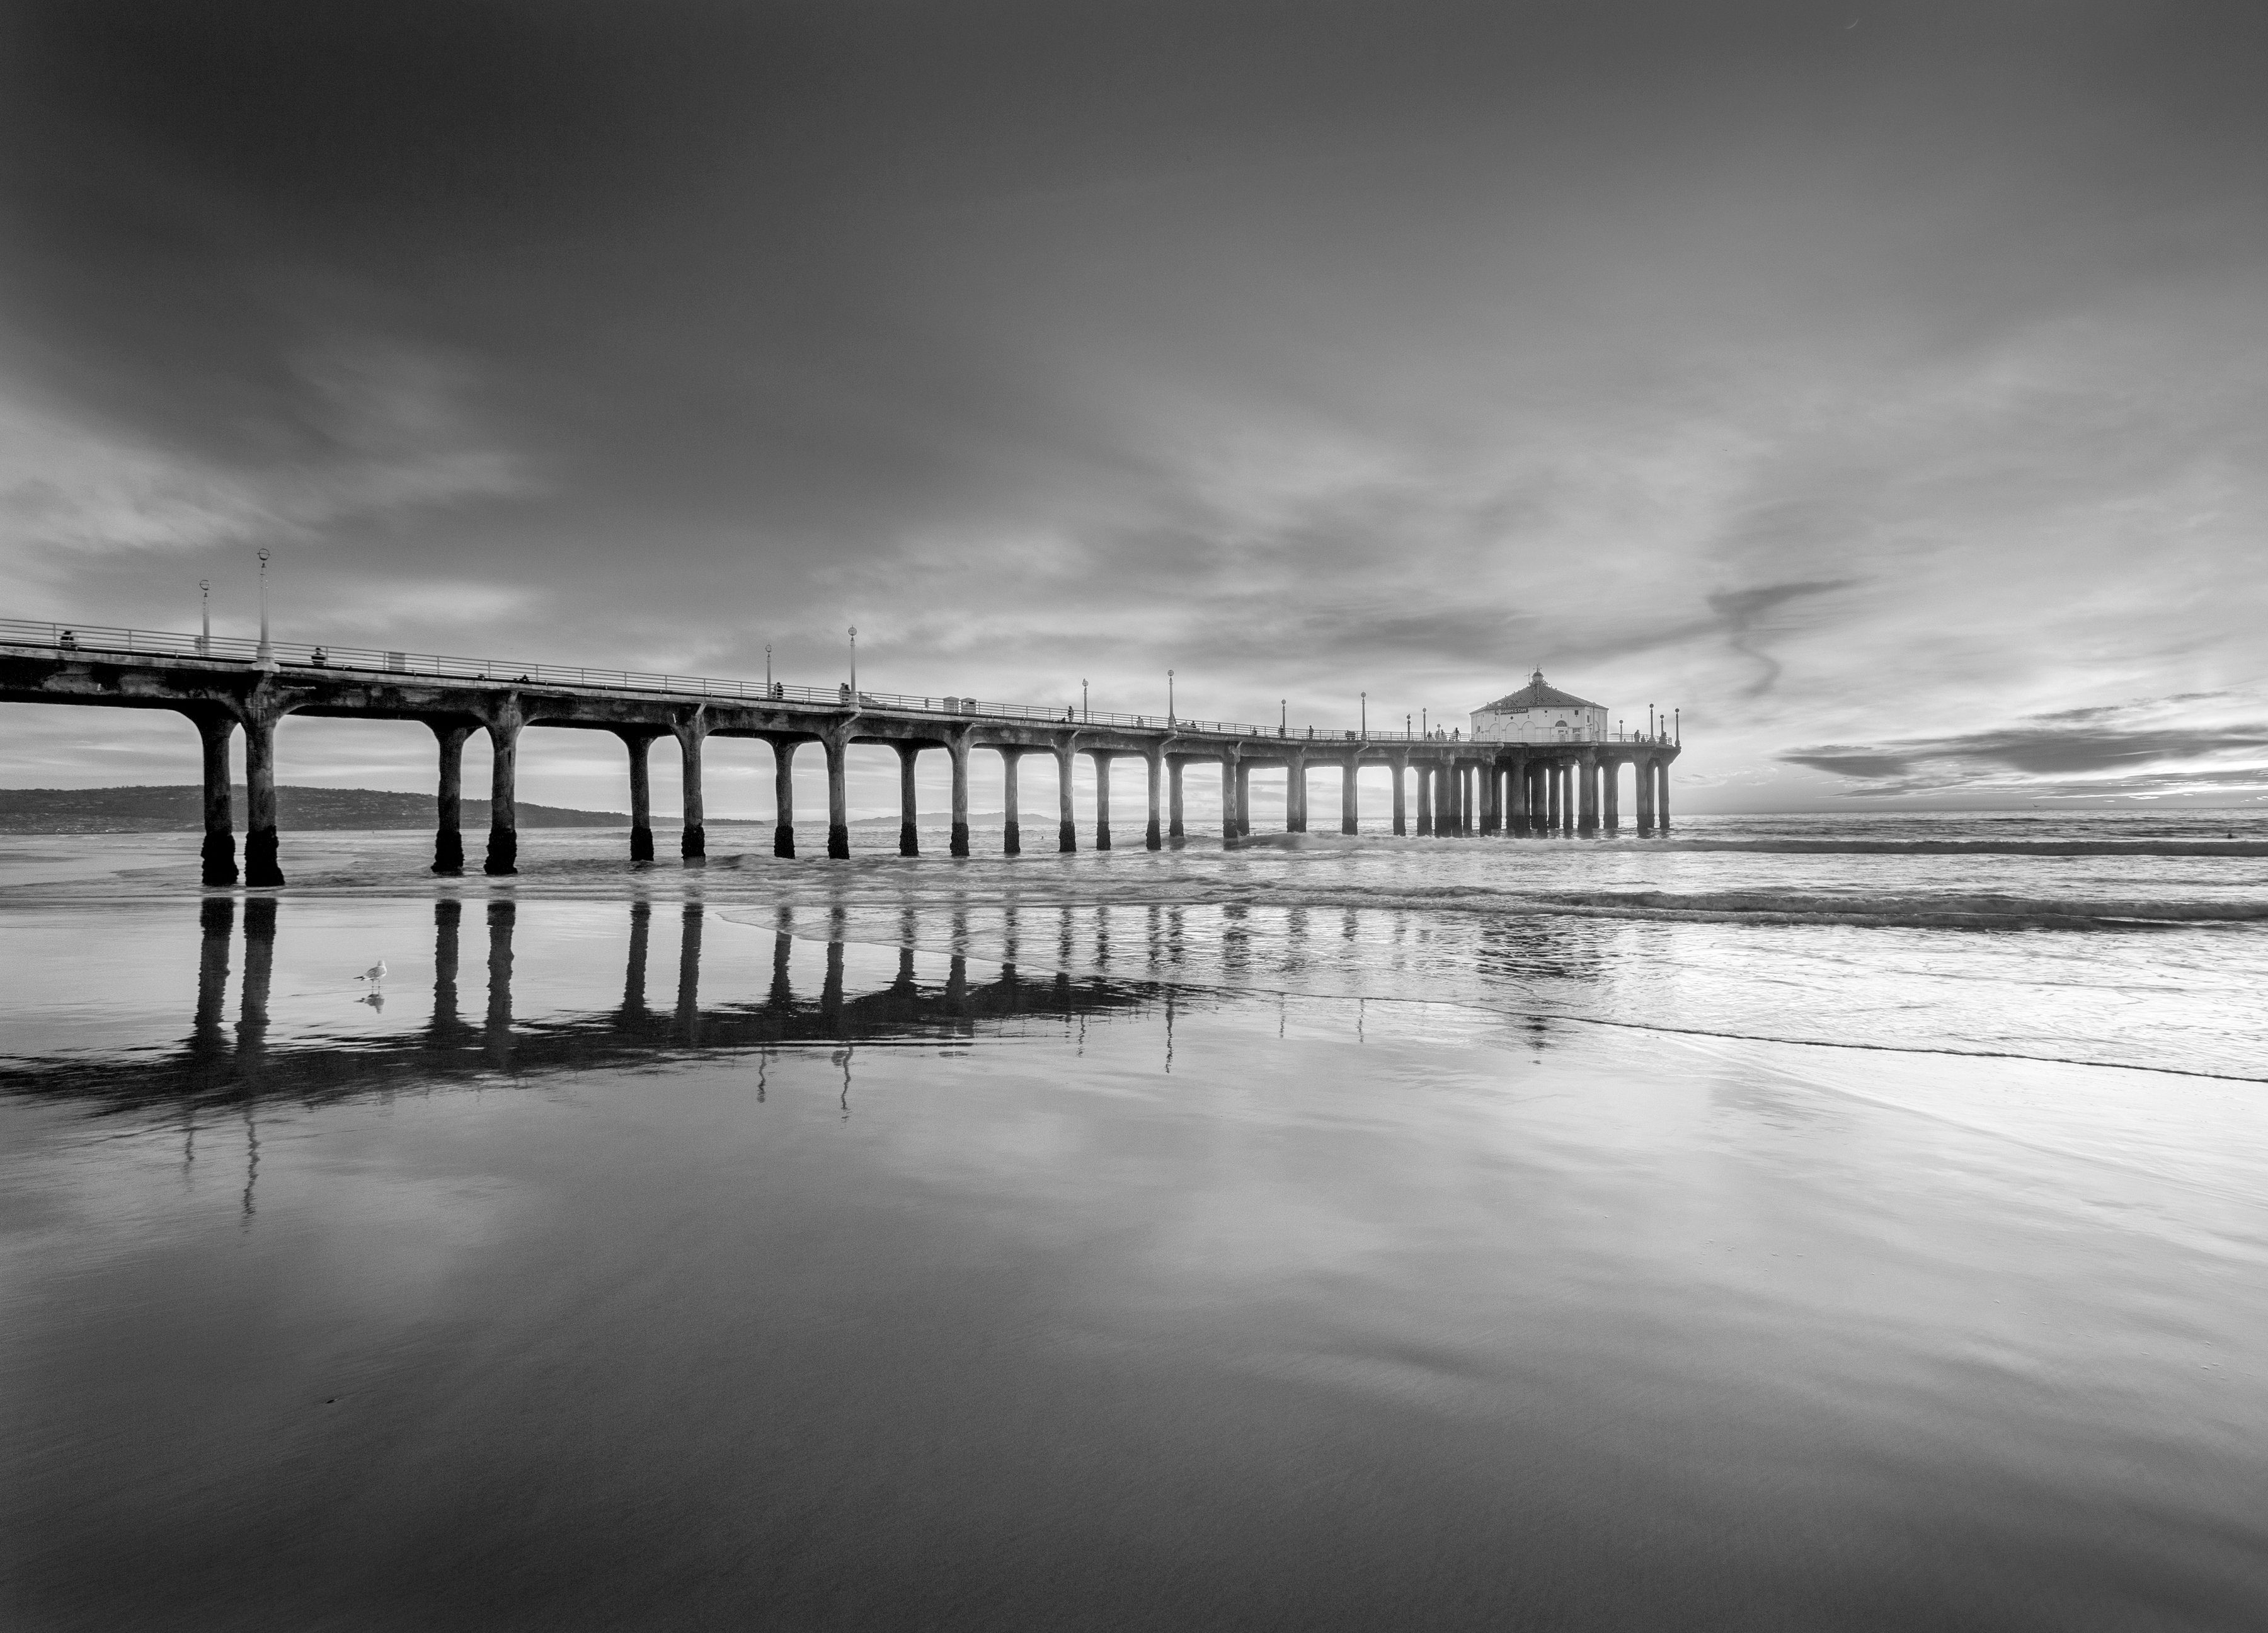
(641, 796)
(218, 856)
(830, 989)
(262, 867)
(1611, 771)
(1425, 800)
(908, 834)
(446, 916)
(259, 967)
(1587, 773)
(1400, 767)
(498, 1028)
(1347, 812)
(1067, 820)
(688, 976)
(693, 841)
(1173, 829)
(503, 809)
(215, 922)
(634, 966)
(449, 798)
(956, 984)
(1011, 836)
(956, 750)
(783, 946)
(782, 797)
(1153, 833)
(1101, 801)
(838, 796)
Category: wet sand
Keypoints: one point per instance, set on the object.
(664, 1269)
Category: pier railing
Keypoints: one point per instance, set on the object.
(91, 640)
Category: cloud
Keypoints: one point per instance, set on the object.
(2141, 749)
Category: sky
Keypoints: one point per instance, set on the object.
(1883, 387)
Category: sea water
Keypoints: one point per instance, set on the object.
(1802, 1222)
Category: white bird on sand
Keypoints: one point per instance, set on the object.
(375, 973)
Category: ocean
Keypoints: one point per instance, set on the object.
(1816, 1221)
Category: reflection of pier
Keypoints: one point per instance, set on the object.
(212, 1063)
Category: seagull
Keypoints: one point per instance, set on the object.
(375, 973)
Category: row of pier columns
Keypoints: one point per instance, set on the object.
(1524, 795)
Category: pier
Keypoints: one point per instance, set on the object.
(1455, 787)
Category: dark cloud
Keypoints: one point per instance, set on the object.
(2098, 750)
(1722, 353)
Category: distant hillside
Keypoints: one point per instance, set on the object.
(166, 809)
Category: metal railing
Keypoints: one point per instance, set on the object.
(91, 640)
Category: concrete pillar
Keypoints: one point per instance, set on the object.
(909, 836)
(1400, 767)
(693, 843)
(1295, 794)
(957, 747)
(783, 798)
(1553, 775)
(1586, 780)
(1661, 799)
(1350, 818)
(1174, 799)
(1491, 777)
(1425, 798)
(1153, 833)
(217, 857)
(1243, 798)
(1229, 782)
(504, 800)
(1571, 793)
(1101, 801)
(262, 866)
(837, 747)
(1611, 769)
(1515, 796)
(1012, 835)
(1066, 814)
(641, 796)
(1642, 786)
(448, 803)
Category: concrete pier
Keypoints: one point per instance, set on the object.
(1462, 785)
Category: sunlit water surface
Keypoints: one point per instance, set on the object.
(1371, 1234)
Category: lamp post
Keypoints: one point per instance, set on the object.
(1084, 715)
(1424, 729)
(1405, 726)
(265, 653)
(1366, 715)
(204, 640)
(1677, 726)
(854, 663)
(768, 669)
(1283, 716)
(1169, 697)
